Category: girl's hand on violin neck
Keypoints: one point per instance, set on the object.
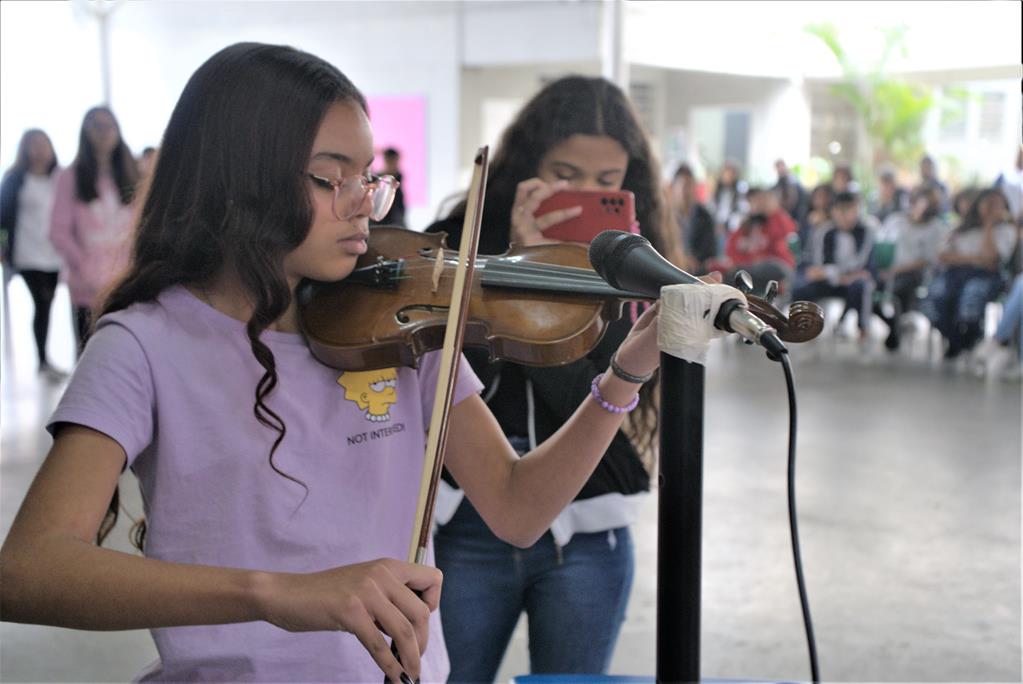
(712, 277)
(369, 600)
(639, 354)
(526, 228)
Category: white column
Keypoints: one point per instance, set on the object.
(612, 54)
(781, 129)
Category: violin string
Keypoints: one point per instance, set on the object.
(513, 279)
(504, 262)
(549, 284)
(541, 276)
(566, 277)
(514, 268)
(555, 281)
(500, 271)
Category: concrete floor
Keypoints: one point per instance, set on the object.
(909, 504)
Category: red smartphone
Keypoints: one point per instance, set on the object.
(602, 210)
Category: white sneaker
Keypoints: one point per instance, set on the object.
(1002, 361)
(54, 375)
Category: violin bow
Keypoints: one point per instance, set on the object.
(454, 335)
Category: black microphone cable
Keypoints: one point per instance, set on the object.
(811, 644)
(629, 262)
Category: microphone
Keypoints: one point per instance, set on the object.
(629, 262)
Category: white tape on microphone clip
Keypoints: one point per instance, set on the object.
(686, 321)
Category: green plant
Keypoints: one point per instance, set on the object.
(892, 111)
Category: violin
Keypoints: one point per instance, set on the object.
(541, 305)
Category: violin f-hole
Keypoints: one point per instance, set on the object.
(405, 315)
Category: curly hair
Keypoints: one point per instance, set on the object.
(569, 106)
(228, 190)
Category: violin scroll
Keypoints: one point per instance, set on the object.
(804, 322)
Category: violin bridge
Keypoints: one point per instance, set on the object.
(438, 268)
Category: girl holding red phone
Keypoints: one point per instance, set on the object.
(577, 133)
(599, 210)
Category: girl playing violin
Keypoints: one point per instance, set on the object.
(278, 492)
(577, 133)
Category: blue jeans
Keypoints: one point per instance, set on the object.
(574, 596)
(858, 296)
(1011, 324)
(955, 303)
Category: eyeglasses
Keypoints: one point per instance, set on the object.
(350, 194)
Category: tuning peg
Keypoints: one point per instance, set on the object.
(743, 281)
(771, 292)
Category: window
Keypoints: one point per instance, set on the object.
(952, 121)
(992, 110)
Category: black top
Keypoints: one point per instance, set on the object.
(395, 216)
(557, 391)
(698, 235)
(793, 197)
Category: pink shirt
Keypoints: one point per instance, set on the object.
(93, 238)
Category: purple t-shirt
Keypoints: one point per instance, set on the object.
(173, 382)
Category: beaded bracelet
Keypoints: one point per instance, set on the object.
(625, 375)
(607, 406)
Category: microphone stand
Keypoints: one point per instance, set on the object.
(679, 520)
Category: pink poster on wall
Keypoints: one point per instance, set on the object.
(400, 122)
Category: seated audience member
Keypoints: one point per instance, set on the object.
(811, 229)
(842, 179)
(729, 199)
(971, 263)
(914, 236)
(960, 205)
(1009, 332)
(1010, 182)
(791, 194)
(762, 253)
(765, 202)
(929, 176)
(889, 199)
(839, 265)
(694, 221)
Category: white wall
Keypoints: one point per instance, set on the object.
(492, 96)
(517, 32)
(155, 46)
(781, 129)
(974, 158)
(779, 110)
(505, 47)
(757, 38)
(49, 87)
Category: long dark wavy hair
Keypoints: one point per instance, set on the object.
(933, 201)
(229, 191)
(126, 173)
(580, 105)
(575, 105)
(973, 219)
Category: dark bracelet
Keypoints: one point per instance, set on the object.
(628, 377)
